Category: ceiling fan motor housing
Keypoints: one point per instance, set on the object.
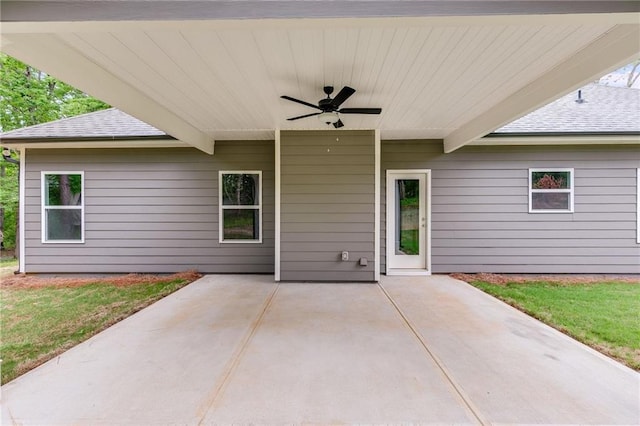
(326, 104)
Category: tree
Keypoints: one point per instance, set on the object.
(626, 76)
(28, 97)
(634, 73)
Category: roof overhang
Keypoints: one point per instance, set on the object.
(201, 71)
(124, 142)
(558, 139)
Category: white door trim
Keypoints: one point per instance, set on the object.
(390, 219)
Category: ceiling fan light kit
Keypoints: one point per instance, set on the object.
(329, 117)
(329, 108)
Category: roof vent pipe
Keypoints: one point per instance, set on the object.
(579, 99)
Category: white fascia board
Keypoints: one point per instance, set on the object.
(617, 47)
(133, 143)
(556, 140)
(53, 56)
(43, 24)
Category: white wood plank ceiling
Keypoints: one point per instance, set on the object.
(430, 76)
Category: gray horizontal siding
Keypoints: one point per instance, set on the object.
(480, 219)
(151, 210)
(327, 204)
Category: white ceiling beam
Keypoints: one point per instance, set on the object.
(617, 47)
(65, 63)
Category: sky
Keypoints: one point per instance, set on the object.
(619, 77)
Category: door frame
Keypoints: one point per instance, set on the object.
(390, 195)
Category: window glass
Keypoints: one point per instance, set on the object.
(550, 180)
(63, 224)
(240, 189)
(550, 190)
(240, 207)
(241, 224)
(62, 207)
(63, 190)
(550, 201)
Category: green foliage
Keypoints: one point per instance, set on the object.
(550, 180)
(603, 315)
(240, 189)
(29, 97)
(410, 241)
(9, 201)
(63, 190)
(39, 323)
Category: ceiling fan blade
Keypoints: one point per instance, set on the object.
(303, 116)
(342, 96)
(360, 111)
(289, 98)
(338, 124)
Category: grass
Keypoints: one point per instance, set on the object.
(40, 322)
(5, 262)
(603, 315)
(409, 241)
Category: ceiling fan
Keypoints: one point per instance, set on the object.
(330, 108)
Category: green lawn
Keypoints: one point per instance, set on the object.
(603, 315)
(8, 262)
(40, 323)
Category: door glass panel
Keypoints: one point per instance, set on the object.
(407, 216)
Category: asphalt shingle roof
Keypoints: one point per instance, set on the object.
(605, 109)
(108, 123)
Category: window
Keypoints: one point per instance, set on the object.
(550, 190)
(62, 207)
(240, 195)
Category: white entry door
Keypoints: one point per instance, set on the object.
(408, 222)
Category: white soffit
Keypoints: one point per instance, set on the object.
(451, 78)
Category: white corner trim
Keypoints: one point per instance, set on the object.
(277, 207)
(376, 213)
(21, 212)
(638, 206)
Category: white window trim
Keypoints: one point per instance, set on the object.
(221, 207)
(569, 190)
(43, 216)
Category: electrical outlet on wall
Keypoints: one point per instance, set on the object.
(345, 256)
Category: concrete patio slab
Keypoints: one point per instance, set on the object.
(516, 370)
(241, 349)
(336, 353)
